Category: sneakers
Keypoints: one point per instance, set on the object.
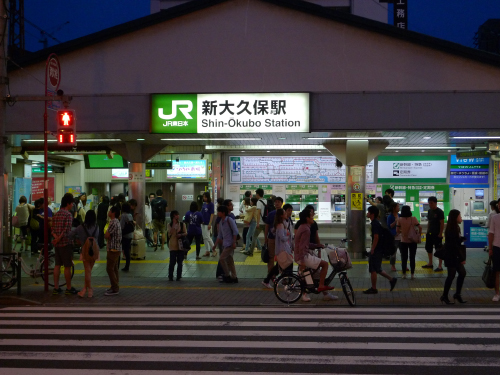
(370, 291)
(306, 298)
(267, 285)
(71, 291)
(330, 297)
(247, 254)
(438, 269)
(393, 283)
(111, 293)
(243, 251)
(56, 292)
(496, 298)
(404, 276)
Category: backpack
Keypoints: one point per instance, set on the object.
(387, 242)
(90, 249)
(158, 209)
(267, 208)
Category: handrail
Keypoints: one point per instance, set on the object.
(15, 257)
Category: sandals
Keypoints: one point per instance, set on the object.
(214, 254)
(207, 254)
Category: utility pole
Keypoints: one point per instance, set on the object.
(4, 220)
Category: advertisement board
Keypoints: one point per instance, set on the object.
(469, 170)
(416, 169)
(192, 169)
(230, 113)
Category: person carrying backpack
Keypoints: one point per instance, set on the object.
(88, 233)
(377, 252)
(158, 209)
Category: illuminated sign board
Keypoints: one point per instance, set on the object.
(229, 113)
(412, 168)
(192, 169)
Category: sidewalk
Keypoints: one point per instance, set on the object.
(146, 284)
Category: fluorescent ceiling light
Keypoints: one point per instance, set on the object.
(427, 137)
(489, 137)
(140, 139)
(282, 138)
(265, 147)
(38, 140)
(211, 139)
(351, 138)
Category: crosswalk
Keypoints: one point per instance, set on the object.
(248, 340)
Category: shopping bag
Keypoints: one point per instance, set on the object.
(138, 233)
(489, 275)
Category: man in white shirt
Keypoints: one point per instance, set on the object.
(494, 250)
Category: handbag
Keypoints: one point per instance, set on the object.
(414, 234)
(15, 221)
(284, 260)
(34, 224)
(184, 244)
(138, 233)
(264, 255)
(488, 275)
(441, 253)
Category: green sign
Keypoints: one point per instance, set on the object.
(472, 154)
(229, 113)
(41, 169)
(159, 165)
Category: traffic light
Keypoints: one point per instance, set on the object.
(66, 127)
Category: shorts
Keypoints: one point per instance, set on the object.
(432, 241)
(310, 261)
(375, 263)
(496, 259)
(159, 226)
(64, 256)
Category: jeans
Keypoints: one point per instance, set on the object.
(252, 237)
(392, 260)
(458, 267)
(126, 247)
(404, 247)
(176, 256)
(197, 238)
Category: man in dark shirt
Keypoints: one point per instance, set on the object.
(434, 236)
(269, 232)
(158, 209)
(376, 253)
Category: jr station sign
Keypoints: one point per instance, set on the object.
(229, 113)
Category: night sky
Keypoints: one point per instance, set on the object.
(453, 20)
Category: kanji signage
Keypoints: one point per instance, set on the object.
(159, 165)
(229, 113)
(401, 14)
(469, 170)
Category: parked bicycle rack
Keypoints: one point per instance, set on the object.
(15, 260)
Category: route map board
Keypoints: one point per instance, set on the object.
(292, 169)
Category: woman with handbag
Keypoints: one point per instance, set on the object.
(455, 257)
(410, 230)
(176, 230)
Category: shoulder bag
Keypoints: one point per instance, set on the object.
(441, 253)
(34, 224)
(488, 275)
(413, 233)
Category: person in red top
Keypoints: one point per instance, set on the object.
(61, 226)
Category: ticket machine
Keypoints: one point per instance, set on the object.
(338, 208)
(400, 197)
(296, 201)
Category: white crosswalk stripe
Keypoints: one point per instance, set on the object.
(240, 340)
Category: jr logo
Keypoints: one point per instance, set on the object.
(185, 106)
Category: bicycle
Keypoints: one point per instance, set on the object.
(289, 287)
(9, 264)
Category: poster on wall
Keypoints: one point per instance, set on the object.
(235, 169)
(192, 169)
(469, 170)
(75, 190)
(37, 188)
(292, 169)
(412, 168)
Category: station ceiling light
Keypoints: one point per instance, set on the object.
(211, 139)
(430, 147)
(352, 138)
(265, 147)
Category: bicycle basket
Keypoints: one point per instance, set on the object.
(339, 259)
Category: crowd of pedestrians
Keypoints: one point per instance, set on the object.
(113, 218)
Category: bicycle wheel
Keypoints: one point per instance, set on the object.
(52, 263)
(288, 288)
(8, 271)
(348, 291)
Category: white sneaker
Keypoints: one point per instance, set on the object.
(267, 285)
(330, 297)
(306, 298)
(496, 298)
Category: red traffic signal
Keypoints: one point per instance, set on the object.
(66, 127)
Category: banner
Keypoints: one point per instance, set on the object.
(37, 188)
